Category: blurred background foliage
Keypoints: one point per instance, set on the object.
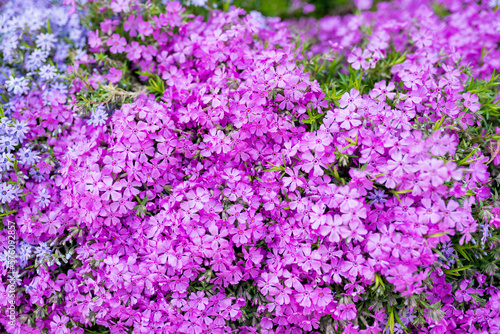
(293, 8)
(287, 9)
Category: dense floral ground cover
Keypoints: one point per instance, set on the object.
(177, 168)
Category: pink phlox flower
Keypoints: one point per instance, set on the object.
(428, 212)
(357, 58)
(114, 75)
(268, 283)
(122, 206)
(309, 259)
(317, 216)
(197, 198)
(131, 24)
(94, 40)
(144, 28)
(136, 132)
(471, 102)
(292, 280)
(231, 175)
(319, 141)
(112, 165)
(238, 213)
(285, 103)
(449, 212)
(110, 189)
(350, 100)
(108, 25)
(399, 164)
(313, 162)
(58, 324)
(377, 245)
(199, 300)
(148, 52)
(434, 171)
(322, 296)
(331, 228)
(294, 88)
(134, 51)
(116, 43)
(304, 295)
(92, 182)
(293, 180)
(216, 237)
(120, 6)
(382, 90)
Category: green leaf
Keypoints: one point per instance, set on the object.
(274, 169)
(436, 235)
(8, 213)
(399, 321)
(463, 252)
(49, 29)
(145, 74)
(454, 271)
(390, 321)
(402, 191)
(438, 123)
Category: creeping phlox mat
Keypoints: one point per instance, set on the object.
(196, 167)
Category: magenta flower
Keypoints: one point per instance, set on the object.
(313, 162)
(113, 165)
(110, 189)
(322, 296)
(241, 235)
(136, 132)
(354, 266)
(58, 324)
(116, 43)
(294, 88)
(165, 211)
(199, 300)
(131, 24)
(310, 259)
(285, 102)
(449, 212)
(350, 100)
(320, 141)
(108, 25)
(304, 295)
(382, 90)
(268, 284)
(114, 75)
(148, 52)
(348, 312)
(51, 221)
(144, 28)
(134, 51)
(294, 180)
(197, 199)
(216, 237)
(377, 245)
(358, 58)
(348, 118)
(471, 102)
(331, 228)
(120, 6)
(122, 206)
(94, 40)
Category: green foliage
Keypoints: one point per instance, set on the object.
(156, 85)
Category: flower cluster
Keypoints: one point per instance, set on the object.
(222, 174)
(36, 38)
